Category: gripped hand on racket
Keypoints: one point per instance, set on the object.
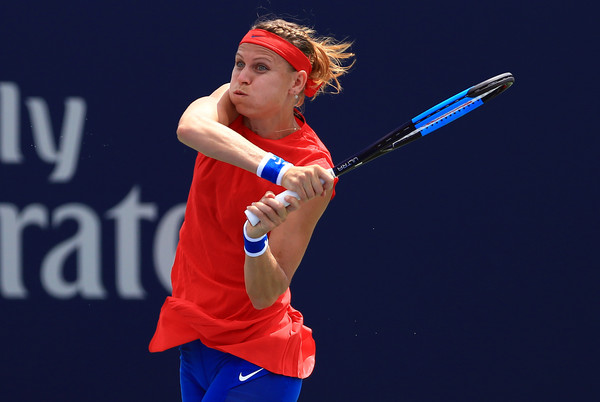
(308, 181)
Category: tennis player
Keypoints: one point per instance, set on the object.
(230, 311)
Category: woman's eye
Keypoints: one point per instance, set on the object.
(240, 65)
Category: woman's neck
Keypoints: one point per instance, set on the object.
(273, 128)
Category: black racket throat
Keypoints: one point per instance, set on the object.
(393, 140)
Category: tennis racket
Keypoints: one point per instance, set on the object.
(427, 122)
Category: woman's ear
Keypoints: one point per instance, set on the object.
(300, 78)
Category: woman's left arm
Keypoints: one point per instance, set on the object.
(269, 275)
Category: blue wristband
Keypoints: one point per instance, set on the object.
(255, 247)
(272, 168)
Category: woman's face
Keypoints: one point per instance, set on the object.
(262, 82)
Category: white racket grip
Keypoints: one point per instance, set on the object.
(253, 219)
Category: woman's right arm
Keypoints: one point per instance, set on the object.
(204, 126)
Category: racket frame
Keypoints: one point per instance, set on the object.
(429, 121)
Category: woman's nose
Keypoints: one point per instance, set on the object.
(244, 76)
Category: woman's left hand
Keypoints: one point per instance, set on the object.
(271, 213)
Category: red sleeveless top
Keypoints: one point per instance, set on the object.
(209, 300)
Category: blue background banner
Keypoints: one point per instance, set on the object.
(463, 267)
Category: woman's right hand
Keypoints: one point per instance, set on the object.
(308, 181)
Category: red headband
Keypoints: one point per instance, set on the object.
(285, 49)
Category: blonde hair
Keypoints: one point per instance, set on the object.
(326, 54)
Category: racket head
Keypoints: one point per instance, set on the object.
(496, 85)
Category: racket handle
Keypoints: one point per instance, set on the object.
(253, 219)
